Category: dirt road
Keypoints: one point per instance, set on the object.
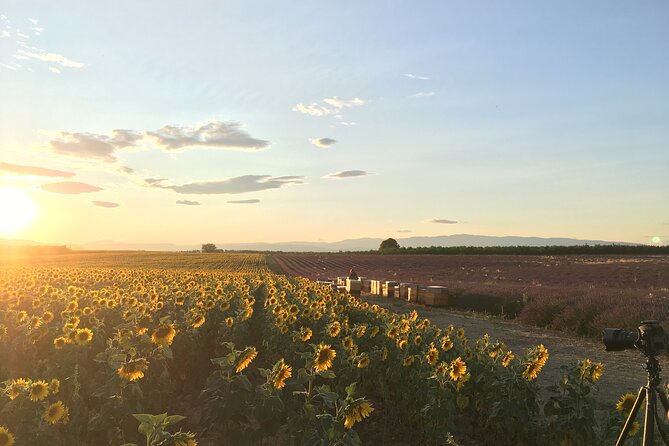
(623, 371)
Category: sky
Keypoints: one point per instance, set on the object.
(274, 121)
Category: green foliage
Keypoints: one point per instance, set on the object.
(389, 245)
(209, 247)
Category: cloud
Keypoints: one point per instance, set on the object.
(69, 187)
(188, 202)
(442, 221)
(106, 204)
(127, 170)
(323, 142)
(330, 106)
(236, 185)
(54, 70)
(312, 109)
(41, 55)
(15, 169)
(423, 94)
(339, 103)
(154, 182)
(93, 146)
(347, 174)
(404, 230)
(215, 134)
(413, 76)
(251, 201)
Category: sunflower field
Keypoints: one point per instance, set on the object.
(174, 350)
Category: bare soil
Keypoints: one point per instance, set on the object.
(623, 371)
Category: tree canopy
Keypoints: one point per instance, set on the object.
(209, 247)
(389, 244)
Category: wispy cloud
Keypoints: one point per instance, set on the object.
(154, 182)
(33, 171)
(416, 77)
(312, 109)
(251, 201)
(93, 146)
(329, 106)
(227, 135)
(443, 221)
(347, 174)
(323, 142)
(41, 55)
(54, 70)
(188, 202)
(126, 170)
(69, 187)
(106, 204)
(213, 134)
(404, 230)
(235, 185)
(423, 94)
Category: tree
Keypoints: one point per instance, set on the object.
(389, 244)
(209, 247)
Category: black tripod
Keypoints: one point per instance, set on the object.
(650, 392)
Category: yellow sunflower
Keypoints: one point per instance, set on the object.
(6, 437)
(334, 328)
(55, 413)
(281, 373)
(324, 357)
(408, 361)
(532, 369)
(446, 343)
(198, 321)
(457, 369)
(133, 370)
(245, 358)
(38, 391)
(596, 372)
(363, 361)
(508, 357)
(305, 334)
(355, 413)
(83, 336)
(164, 335)
(432, 355)
(229, 321)
(54, 386)
(626, 402)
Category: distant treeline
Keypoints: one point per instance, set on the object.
(38, 250)
(531, 250)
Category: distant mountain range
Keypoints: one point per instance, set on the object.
(359, 244)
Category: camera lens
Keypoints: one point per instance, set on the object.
(617, 339)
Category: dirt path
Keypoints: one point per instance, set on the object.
(623, 371)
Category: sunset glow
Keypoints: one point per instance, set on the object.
(17, 210)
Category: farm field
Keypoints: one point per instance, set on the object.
(637, 276)
(576, 294)
(95, 348)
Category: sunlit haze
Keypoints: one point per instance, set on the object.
(17, 210)
(208, 121)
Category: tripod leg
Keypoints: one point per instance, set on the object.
(659, 428)
(663, 399)
(630, 418)
(649, 420)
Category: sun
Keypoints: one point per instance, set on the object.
(17, 210)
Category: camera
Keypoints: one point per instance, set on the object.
(650, 338)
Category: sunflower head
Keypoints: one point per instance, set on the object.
(323, 357)
(626, 402)
(38, 390)
(83, 336)
(6, 437)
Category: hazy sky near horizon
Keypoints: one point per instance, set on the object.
(190, 122)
